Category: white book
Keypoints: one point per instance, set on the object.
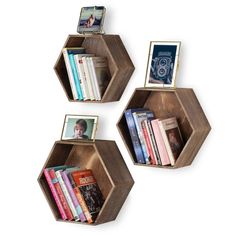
(67, 195)
(88, 78)
(95, 79)
(70, 74)
(80, 69)
(92, 77)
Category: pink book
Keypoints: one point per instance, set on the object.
(55, 195)
(160, 143)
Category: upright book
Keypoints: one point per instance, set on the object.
(90, 191)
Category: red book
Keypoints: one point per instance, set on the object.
(60, 194)
(88, 188)
(148, 142)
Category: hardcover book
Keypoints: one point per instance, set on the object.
(90, 191)
(134, 135)
(138, 118)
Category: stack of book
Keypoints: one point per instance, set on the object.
(75, 192)
(88, 74)
(155, 141)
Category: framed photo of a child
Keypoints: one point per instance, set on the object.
(162, 64)
(79, 127)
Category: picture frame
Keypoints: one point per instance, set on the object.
(79, 127)
(162, 64)
(91, 20)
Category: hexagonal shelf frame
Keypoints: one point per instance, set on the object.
(119, 62)
(109, 169)
(181, 103)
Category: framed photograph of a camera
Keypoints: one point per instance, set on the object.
(91, 20)
(162, 64)
(79, 127)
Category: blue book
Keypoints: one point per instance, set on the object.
(139, 116)
(134, 135)
(75, 74)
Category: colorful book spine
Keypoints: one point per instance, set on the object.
(67, 195)
(80, 69)
(72, 195)
(160, 143)
(134, 136)
(75, 76)
(60, 194)
(153, 141)
(55, 195)
(80, 199)
(138, 118)
(70, 74)
(148, 142)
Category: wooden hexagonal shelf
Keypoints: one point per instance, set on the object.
(109, 169)
(119, 62)
(181, 103)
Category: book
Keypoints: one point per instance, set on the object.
(160, 143)
(147, 137)
(71, 72)
(67, 195)
(60, 193)
(90, 191)
(172, 137)
(55, 194)
(92, 78)
(138, 118)
(88, 78)
(134, 135)
(101, 74)
(71, 52)
(80, 199)
(153, 142)
(80, 69)
(72, 195)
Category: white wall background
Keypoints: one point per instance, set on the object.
(196, 200)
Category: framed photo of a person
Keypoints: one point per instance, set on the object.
(91, 20)
(78, 127)
(162, 64)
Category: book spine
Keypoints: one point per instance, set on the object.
(80, 199)
(70, 74)
(95, 80)
(134, 137)
(153, 141)
(55, 195)
(81, 77)
(141, 138)
(167, 144)
(60, 194)
(148, 142)
(73, 197)
(75, 76)
(88, 78)
(67, 195)
(160, 143)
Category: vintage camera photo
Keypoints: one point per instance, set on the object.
(162, 64)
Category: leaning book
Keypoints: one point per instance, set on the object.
(172, 137)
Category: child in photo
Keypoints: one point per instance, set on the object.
(79, 129)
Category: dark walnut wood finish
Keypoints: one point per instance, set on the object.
(181, 103)
(109, 169)
(119, 62)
